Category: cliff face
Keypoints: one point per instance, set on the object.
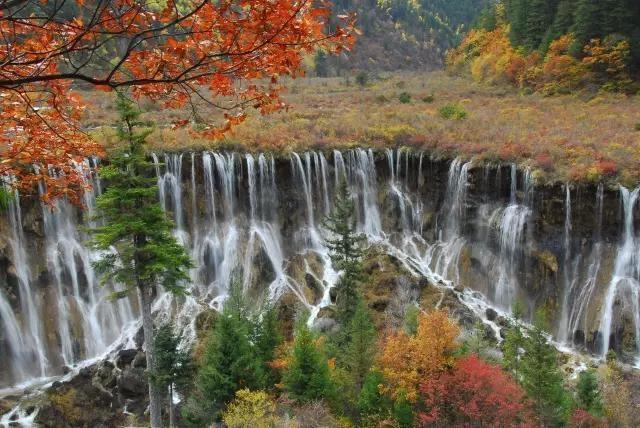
(487, 228)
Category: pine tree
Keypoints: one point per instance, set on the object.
(586, 24)
(173, 366)
(371, 403)
(541, 377)
(403, 413)
(516, 12)
(360, 350)
(307, 376)
(230, 359)
(513, 343)
(267, 338)
(588, 393)
(562, 22)
(346, 253)
(138, 249)
(538, 20)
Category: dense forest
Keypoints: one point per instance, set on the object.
(554, 46)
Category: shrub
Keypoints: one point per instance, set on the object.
(381, 99)
(404, 98)
(637, 127)
(428, 99)
(453, 111)
(362, 78)
(251, 408)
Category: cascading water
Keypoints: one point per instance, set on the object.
(236, 218)
(625, 284)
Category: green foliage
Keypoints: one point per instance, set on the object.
(307, 376)
(230, 361)
(381, 99)
(362, 78)
(637, 127)
(5, 198)
(359, 353)
(131, 221)
(267, 337)
(477, 343)
(428, 99)
(321, 63)
(403, 413)
(588, 393)
(453, 111)
(410, 322)
(371, 403)
(513, 343)
(541, 377)
(404, 97)
(173, 366)
(345, 250)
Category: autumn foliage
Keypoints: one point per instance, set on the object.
(225, 55)
(473, 393)
(406, 361)
(489, 57)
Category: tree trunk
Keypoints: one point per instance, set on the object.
(155, 409)
(172, 422)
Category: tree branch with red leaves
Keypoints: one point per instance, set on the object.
(228, 53)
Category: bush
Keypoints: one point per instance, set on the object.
(362, 78)
(404, 98)
(637, 127)
(251, 408)
(381, 99)
(453, 111)
(428, 99)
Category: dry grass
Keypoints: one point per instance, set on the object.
(564, 138)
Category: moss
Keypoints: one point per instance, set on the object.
(64, 403)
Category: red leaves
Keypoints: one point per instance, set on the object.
(171, 56)
(473, 393)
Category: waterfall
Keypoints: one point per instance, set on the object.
(512, 221)
(582, 298)
(625, 283)
(245, 222)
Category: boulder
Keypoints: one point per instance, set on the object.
(491, 314)
(132, 383)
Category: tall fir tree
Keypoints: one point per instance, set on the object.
(231, 361)
(345, 247)
(513, 343)
(586, 24)
(139, 252)
(588, 393)
(541, 377)
(307, 377)
(358, 355)
(540, 14)
(266, 338)
(173, 365)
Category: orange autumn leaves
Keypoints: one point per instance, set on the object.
(226, 55)
(406, 361)
(490, 57)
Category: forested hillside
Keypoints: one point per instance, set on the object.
(405, 34)
(555, 46)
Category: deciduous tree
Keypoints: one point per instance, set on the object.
(224, 55)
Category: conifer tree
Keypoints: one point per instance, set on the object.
(173, 365)
(267, 337)
(360, 350)
(586, 24)
(345, 246)
(513, 344)
(139, 252)
(541, 377)
(307, 376)
(372, 404)
(230, 359)
(588, 393)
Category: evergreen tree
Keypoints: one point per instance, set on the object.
(513, 343)
(588, 393)
(321, 63)
(173, 367)
(562, 22)
(516, 12)
(230, 359)
(345, 248)
(538, 20)
(371, 403)
(139, 251)
(403, 413)
(267, 338)
(586, 24)
(541, 377)
(307, 376)
(360, 350)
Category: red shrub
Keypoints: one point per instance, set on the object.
(474, 393)
(583, 419)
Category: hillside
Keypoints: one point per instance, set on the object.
(404, 34)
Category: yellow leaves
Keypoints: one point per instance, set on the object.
(251, 409)
(406, 361)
